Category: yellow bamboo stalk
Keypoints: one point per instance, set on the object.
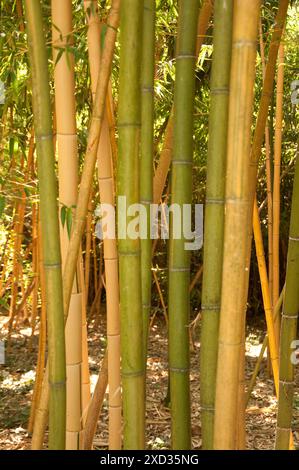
(66, 135)
(268, 177)
(85, 376)
(106, 187)
(272, 331)
(42, 334)
(88, 248)
(276, 182)
(245, 28)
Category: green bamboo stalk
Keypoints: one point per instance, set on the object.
(146, 161)
(289, 327)
(49, 222)
(214, 214)
(129, 118)
(181, 193)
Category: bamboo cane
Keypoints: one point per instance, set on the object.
(245, 28)
(251, 384)
(146, 156)
(273, 339)
(106, 187)
(179, 257)
(42, 335)
(276, 181)
(268, 177)
(95, 405)
(82, 203)
(289, 327)
(66, 137)
(129, 116)
(214, 214)
(49, 217)
(88, 248)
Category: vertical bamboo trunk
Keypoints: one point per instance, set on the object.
(49, 222)
(129, 117)
(42, 335)
(245, 28)
(91, 152)
(276, 181)
(66, 138)
(289, 327)
(214, 214)
(106, 187)
(268, 178)
(179, 257)
(146, 158)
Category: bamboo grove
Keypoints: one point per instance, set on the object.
(150, 199)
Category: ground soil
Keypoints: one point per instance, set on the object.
(17, 377)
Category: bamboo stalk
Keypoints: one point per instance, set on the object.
(179, 257)
(66, 138)
(214, 214)
(273, 339)
(245, 28)
(129, 116)
(276, 313)
(268, 177)
(289, 327)
(276, 181)
(106, 187)
(49, 217)
(95, 405)
(146, 156)
(42, 336)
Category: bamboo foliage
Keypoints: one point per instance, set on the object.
(49, 216)
(245, 27)
(289, 327)
(105, 165)
(214, 214)
(129, 119)
(146, 155)
(179, 257)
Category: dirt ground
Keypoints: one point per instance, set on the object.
(18, 374)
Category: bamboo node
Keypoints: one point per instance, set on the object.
(182, 370)
(210, 200)
(182, 162)
(208, 408)
(293, 317)
(57, 384)
(137, 373)
(287, 382)
(43, 137)
(185, 56)
(129, 124)
(220, 91)
(179, 270)
(211, 307)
